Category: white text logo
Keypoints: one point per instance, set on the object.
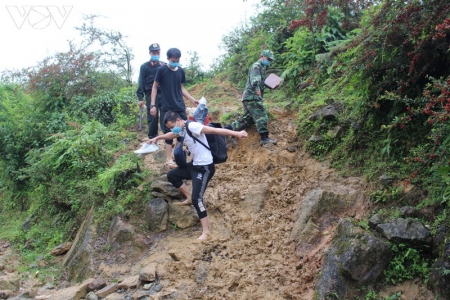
(39, 17)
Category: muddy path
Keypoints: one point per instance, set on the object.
(250, 203)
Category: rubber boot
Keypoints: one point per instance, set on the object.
(265, 139)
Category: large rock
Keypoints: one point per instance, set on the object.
(182, 216)
(316, 210)
(157, 214)
(78, 260)
(96, 284)
(356, 258)
(336, 132)
(129, 283)
(91, 296)
(120, 233)
(148, 274)
(107, 290)
(123, 237)
(329, 112)
(439, 239)
(61, 249)
(72, 293)
(411, 232)
(439, 281)
(165, 189)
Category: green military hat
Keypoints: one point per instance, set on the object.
(154, 47)
(268, 53)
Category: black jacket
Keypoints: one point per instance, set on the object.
(146, 77)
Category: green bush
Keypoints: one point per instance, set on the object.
(406, 263)
(105, 107)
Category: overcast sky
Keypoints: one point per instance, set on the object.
(33, 29)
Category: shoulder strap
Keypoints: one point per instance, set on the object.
(192, 136)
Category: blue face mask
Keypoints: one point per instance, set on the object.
(154, 57)
(176, 129)
(173, 64)
(265, 62)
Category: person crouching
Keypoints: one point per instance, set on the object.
(201, 169)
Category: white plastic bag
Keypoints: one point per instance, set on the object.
(146, 149)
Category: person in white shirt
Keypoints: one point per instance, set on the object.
(201, 169)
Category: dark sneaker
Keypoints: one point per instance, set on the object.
(267, 141)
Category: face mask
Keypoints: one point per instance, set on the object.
(265, 62)
(176, 129)
(155, 57)
(173, 64)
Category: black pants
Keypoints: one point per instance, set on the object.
(200, 176)
(152, 121)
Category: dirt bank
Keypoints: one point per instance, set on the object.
(252, 255)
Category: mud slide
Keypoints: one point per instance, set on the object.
(250, 202)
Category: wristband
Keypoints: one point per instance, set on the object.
(152, 105)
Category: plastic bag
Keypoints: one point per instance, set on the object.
(201, 112)
(146, 149)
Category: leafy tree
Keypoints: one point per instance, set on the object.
(194, 72)
(405, 43)
(21, 129)
(80, 71)
(115, 54)
(315, 13)
(267, 30)
(305, 49)
(106, 106)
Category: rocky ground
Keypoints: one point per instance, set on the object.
(251, 203)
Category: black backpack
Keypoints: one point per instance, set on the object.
(179, 154)
(216, 142)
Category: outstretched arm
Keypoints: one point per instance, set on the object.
(222, 131)
(167, 136)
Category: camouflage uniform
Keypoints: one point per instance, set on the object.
(254, 111)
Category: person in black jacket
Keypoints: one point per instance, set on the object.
(147, 75)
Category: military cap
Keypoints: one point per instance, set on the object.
(268, 53)
(154, 47)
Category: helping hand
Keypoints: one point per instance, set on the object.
(242, 134)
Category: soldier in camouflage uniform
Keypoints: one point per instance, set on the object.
(254, 111)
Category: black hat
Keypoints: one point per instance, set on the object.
(154, 47)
